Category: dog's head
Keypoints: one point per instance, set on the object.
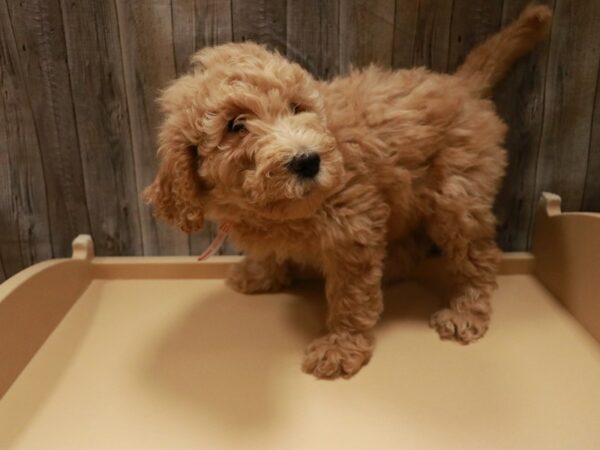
(244, 133)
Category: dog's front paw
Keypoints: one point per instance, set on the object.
(337, 355)
(463, 327)
(250, 277)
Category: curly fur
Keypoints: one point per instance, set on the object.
(408, 158)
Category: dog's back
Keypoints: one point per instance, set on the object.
(416, 128)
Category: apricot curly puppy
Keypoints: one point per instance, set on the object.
(346, 176)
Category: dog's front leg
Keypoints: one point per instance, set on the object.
(253, 275)
(353, 289)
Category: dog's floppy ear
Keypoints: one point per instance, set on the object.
(177, 193)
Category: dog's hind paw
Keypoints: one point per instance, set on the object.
(337, 355)
(462, 327)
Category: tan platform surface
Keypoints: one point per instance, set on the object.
(174, 364)
(151, 361)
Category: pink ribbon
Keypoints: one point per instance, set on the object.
(216, 243)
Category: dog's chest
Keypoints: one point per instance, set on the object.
(297, 241)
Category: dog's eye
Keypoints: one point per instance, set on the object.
(296, 108)
(235, 126)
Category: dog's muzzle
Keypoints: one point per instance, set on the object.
(305, 165)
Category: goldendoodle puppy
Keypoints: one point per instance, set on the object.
(348, 177)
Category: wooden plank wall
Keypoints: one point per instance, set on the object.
(78, 117)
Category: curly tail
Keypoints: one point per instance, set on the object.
(488, 63)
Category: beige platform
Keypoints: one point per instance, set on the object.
(156, 353)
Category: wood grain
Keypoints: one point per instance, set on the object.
(213, 22)
(366, 33)
(571, 80)
(421, 34)
(262, 21)
(38, 33)
(313, 36)
(183, 33)
(148, 66)
(197, 24)
(3, 275)
(9, 241)
(95, 66)
(471, 23)
(25, 237)
(591, 194)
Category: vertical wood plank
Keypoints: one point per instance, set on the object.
(471, 23)
(213, 23)
(3, 275)
(366, 33)
(146, 38)
(520, 99)
(10, 249)
(591, 195)
(24, 228)
(183, 18)
(94, 55)
(38, 33)
(421, 34)
(573, 65)
(197, 24)
(406, 21)
(212, 26)
(262, 21)
(313, 36)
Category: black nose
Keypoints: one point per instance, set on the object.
(306, 166)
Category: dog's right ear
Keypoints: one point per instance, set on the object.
(177, 193)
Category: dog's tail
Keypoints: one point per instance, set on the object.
(488, 63)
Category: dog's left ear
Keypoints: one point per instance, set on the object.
(177, 193)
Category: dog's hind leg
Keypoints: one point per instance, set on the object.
(402, 257)
(463, 226)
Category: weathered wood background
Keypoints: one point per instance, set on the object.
(78, 81)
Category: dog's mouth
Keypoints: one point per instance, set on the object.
(279, 193)
(287, 196)
(291, 209)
